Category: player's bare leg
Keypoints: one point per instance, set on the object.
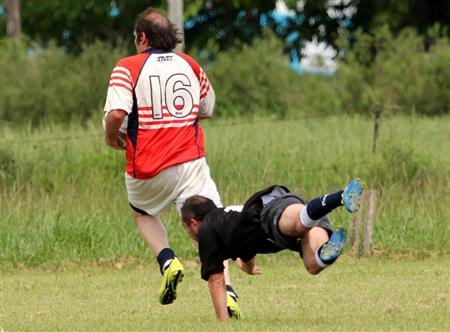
(318, 250)
(297, 219)
(301, 221)
(289, 223)
(313, 240)
(154, 235)
(152, 232)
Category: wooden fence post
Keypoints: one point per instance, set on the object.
(356, 227)
(376, 129)
(370, 221)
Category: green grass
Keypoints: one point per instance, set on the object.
(354, 295)
(62, 194)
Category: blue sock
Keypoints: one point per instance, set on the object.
(319, 207)
(163, 256)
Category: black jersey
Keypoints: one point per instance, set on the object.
(233, 234)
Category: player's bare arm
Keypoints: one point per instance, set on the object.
(113, 121)
(216, 284)
(249, 267)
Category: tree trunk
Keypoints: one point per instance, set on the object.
(13, 20)
(176, 17)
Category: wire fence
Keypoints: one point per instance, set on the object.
(11, 123)
(50, 139)
(227, 123)
(330, 138)
(365, 159)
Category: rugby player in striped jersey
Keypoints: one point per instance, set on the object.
(154, 105)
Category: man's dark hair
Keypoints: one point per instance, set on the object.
(161, 33)
(196, 207)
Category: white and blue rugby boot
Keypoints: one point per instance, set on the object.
(332, 249)
(351, 198)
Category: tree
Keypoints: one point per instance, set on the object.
(227, 22)
(398, 14)
(73, 23)
(13, 22)
(220, 24)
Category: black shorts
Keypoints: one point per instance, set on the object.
(270, 216)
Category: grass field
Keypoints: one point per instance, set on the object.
(62, 196)
(353, 295)
(71, 258)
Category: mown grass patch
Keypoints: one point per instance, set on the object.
(354, 295)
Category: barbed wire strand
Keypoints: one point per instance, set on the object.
(215, 125)
(49, 139)
(99, 136)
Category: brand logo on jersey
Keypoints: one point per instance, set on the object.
(164, 58)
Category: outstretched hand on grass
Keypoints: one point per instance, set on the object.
(249, 267)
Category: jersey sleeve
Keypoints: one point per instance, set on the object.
(207, 96)
(209, 251)
(120, 89)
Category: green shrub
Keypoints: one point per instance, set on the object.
(49, 85)
(253, 79)
(404, 165)
(400, 77)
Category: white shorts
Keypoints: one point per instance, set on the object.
(174, 184)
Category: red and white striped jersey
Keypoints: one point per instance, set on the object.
(163, 94)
